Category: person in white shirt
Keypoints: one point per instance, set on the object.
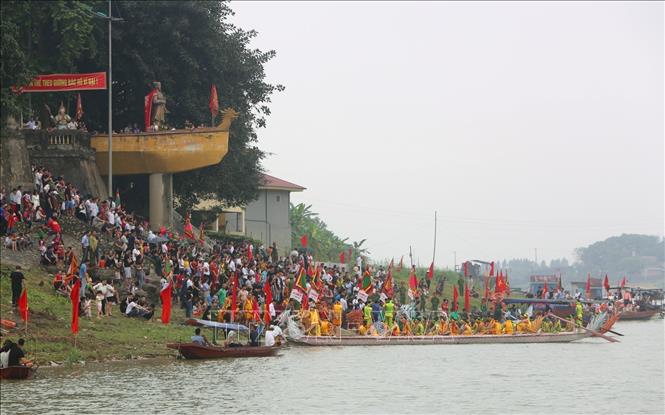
(272, 335)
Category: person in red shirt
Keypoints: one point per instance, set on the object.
(54, 226)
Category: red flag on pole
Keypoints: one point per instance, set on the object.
(455, 298)
(544, 290)
(79, 107)
(342, 258)
(303, 241)
(23, 305)
(587, 289)
(467, 299)
(268, 291)
(430, 271)
(388, 283)
(147, 110)
(623, 282)
(401, 264)
(606, 284)
(213, 104)
(492, 269)
(465, 267)
(165, 294)
(413, 281)
(75, 297)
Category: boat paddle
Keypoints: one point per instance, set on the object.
(609, 339)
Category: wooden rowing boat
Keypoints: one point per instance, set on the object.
(564, 337)
(638, 315)
(17, 372)
(196, 351)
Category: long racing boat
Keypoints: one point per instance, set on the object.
(564, 337)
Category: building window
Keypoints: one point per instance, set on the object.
(234, 222)
(278, 198)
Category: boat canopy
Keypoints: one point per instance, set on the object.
(216, 325)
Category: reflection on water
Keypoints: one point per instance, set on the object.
(591, 376)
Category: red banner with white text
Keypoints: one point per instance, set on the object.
(64, 82)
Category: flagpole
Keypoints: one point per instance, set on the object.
(434, 251)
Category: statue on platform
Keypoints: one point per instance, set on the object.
(158, 106)
(61, 120)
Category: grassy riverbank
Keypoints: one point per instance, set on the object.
(49, 337)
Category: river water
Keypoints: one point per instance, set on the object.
(591, 376)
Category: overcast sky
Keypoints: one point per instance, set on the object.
(525, 125)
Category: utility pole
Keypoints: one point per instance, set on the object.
(110, 126)
(455, 260)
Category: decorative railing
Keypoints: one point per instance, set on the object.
(56, 139)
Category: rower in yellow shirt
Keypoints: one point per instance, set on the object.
(367, 315)
(325, 328)
(362, 330)
(442, 327)
(337, 315)
(388, 312)
(315, 322)
(508, 327)
(467, 331)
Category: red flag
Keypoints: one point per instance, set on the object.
(506, 284)
(147, 108)
(341, 258)
(465, 267)
(413, 281)
(455, 298)
(23, 305)
(401, 264)
(303, 241)
(234, 296)
(165, 294)
(79, 107)
(623, 282)
(467, 299)
(498, 286)
(388, 289)
(492, 269)
(268, 292)
(213, 104)
(606, 284)
(430, 271)
(74, 296)
(587, 289)
(545, 290)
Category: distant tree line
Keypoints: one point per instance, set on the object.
(629, 255)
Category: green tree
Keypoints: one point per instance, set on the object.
(325, 244)
(188, 46)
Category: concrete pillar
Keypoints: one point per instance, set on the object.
(161, 200)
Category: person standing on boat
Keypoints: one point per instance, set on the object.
(389, 312)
